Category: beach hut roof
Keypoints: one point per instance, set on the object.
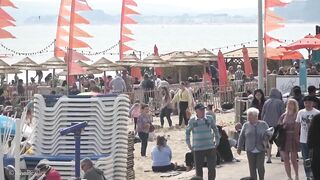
(252, 52)
(55, 63)
(153, 61)
(3, 65)
(104, 64)
(28, 64)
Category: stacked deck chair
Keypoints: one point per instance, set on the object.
(104, 140)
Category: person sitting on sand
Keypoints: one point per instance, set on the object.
(161, 156)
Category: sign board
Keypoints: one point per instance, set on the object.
(285, 83)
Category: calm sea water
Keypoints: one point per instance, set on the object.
(167, 37)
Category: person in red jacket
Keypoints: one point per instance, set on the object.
(46, 172)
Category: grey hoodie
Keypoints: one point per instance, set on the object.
(94, 174)
(273, 108)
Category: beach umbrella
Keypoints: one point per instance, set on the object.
(157, 70)
(27, 64)
(309, 42)
(246, 61)
(223, 81)
(179, 59)
(3, 65)
(7, 69)
(104, 64)
(153, 61)
(131, 60)
(54, 63)
(82, 64)
(285, 55)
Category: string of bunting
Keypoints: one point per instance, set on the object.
(15, 52)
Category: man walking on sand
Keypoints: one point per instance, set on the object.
(205, 139)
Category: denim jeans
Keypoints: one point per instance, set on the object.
(305, 155)
(165, 112)
(144, 142)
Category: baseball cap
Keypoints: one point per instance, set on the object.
(199, 106)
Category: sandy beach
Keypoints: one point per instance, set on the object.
(228, 171)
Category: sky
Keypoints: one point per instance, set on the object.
(163, 7)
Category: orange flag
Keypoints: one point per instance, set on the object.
(75, 69)
(126, 39)
(5, 15)
(7, 3)
(5, 23)
(136, 72)
(82, 7)
(59, 52)
(80, 33)
(268, 39)
(65, 12)
(274, 3)
(5, 34)
(128, 10)
(131, 2)
(61, 43)
(78, 56)
(79, 44)
(80, 20)
(223, 80)
(126, 31)
(246, 60)
(270, 26)
(126, 48)
(128, 20)
(63, 22)
(270, 15)
(63, 32)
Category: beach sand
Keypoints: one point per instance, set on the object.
(176, 141)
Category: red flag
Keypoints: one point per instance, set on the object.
(75, 69)
(63, 22)
(7, 3)
(126, 48)
(5, 15)
(274, 3)
(268, 39)
(80, 20)
(5, 34)
(79, 44)
(128, 20)
(126, 39)
(271, 16)
(126, 31)
(131, 2)
(78, 56)
(59, 52)
(270, 26)
(128, 10)
(81, 33)
(223, 81)
(5, 23)
(247, 64)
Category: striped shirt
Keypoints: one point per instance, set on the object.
(205, 134)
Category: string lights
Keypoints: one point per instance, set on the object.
(46, 49)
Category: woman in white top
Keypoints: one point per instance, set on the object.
(161, 156)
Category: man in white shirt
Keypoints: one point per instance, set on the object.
(304, 118)
(118, 85)
(157, 81)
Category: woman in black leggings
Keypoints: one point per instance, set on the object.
(166, 107)
(185, 100)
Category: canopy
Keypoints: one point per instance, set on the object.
(10, 70)
(128, 60)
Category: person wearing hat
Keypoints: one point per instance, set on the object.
(206, 138)
(304, 118)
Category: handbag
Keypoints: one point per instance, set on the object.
(280, 137)
(151, 128)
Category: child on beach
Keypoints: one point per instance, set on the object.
(135, 113)
(143, 127)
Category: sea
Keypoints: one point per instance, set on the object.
(168, 38)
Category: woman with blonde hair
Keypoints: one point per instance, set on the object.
(290, 145)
